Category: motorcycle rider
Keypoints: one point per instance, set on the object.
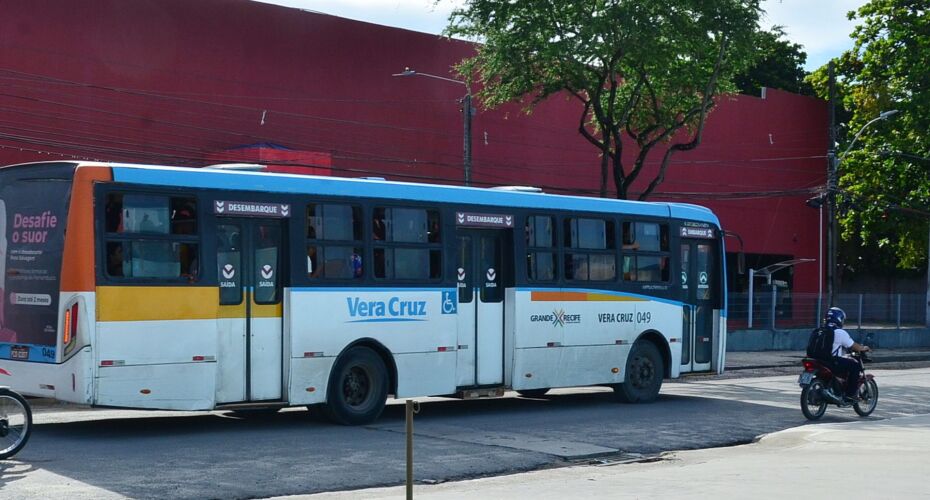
(843, 344)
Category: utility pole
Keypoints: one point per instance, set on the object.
(832, 185)
(466, 108)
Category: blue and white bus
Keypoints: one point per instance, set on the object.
(198, 289)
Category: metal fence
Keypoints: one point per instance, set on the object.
(781, 309)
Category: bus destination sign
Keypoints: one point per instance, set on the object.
(697, 232)
(251, 209)
(468, 219)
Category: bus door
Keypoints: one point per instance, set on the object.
(699, 290)
(251, 263)
(482, 276)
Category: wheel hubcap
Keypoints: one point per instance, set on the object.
(642, 372)
(356, 386)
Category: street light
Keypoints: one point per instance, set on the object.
(830, 198)
(466, 110)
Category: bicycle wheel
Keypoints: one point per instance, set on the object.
(15, 423)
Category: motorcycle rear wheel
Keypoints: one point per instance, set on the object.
(868, 398)
(813, 404)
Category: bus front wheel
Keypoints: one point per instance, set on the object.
(358, 388)
(644, 372)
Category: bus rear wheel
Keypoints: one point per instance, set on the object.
(357, 388)
(644, 372)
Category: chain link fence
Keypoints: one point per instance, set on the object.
(781, 309)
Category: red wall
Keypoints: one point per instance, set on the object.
(180, 82)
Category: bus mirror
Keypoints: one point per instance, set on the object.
(741, 263)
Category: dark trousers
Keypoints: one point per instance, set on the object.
(850, 368)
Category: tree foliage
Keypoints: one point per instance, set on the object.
(779, 64)
(885, 177)
(646, 72)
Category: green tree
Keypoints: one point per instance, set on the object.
(884, 181)
(779, 64)
(645, 72)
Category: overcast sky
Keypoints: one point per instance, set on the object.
(819, 25)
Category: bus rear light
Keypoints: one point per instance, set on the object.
(445, 348)
(71, 324)
(4, 372)
(67, 329)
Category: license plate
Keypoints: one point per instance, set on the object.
(805, 378)
(19, 352)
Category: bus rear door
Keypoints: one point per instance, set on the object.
(482, 277)
(251, 264)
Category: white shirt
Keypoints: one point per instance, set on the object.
(842, 342)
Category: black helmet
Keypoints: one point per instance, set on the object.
(835, 317)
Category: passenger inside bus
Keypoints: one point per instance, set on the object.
(115, 259)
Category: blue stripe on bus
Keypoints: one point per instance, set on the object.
(333, 186)
(519, 289)
(368, 289)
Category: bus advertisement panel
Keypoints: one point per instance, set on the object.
(33, 207)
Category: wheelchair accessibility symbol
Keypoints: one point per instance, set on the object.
(449, 300)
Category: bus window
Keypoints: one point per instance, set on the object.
(645, 236)
(407, 243)
(334, 246)
(540, 242)
(151, 237)
(229, 263)
(589, 250)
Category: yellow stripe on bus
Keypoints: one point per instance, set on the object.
(166, 303)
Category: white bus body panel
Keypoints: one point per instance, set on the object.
(466, 348)
(230, 360)
(266, 361)
(153, 364)
(582, 339)
(409, 323)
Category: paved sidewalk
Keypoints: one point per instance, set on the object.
(889, 456)
(772, 359)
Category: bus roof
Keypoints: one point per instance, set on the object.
(342, 186)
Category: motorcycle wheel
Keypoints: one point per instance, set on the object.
(868, 398)
(813, 404)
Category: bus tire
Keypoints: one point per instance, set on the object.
(357, 389)
(532, 393)
(644, 373)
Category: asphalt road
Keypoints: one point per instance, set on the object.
(117, 454)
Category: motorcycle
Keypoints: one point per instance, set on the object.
(15, 421)
(820, 387)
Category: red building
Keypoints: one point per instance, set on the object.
(194, 83)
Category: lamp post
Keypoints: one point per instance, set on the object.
(466, 110)
(832, 189)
